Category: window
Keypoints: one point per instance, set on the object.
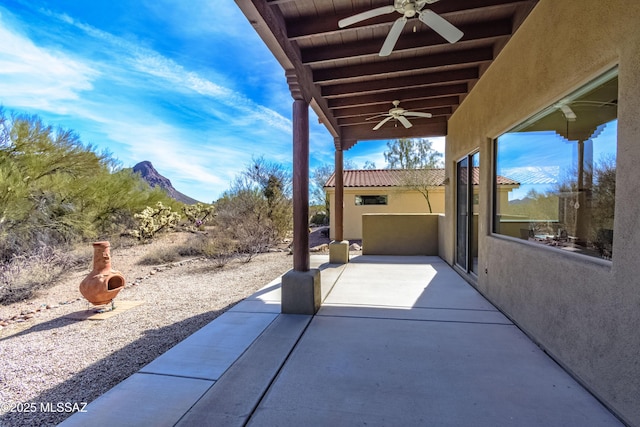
(371, 200)
(555, 173)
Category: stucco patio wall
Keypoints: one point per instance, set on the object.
(585, 312)
(399, 201)
(400, 234)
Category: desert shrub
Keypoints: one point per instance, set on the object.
(319, 218)
(153, 220)
(24, 275)
(256, 212)
(215, 246)
(161, 255)
(221, 250)
(192, 248)
(115, 197)
(198, 215)
(242, 217)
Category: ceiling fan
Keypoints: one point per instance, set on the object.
(408, 9)
(399, 114)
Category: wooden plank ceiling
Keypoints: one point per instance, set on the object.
(339, 71)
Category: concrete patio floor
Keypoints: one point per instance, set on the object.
(398, 341)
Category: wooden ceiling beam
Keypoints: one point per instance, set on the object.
(386, 84)
(326, 24)
(363, 48)
(274, 2)
(338, 71)
(449, 59)
(412, 105)
(406, 93)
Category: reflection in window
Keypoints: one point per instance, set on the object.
(564, 160)
(371, 200)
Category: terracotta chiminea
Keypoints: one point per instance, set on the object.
(102, 285)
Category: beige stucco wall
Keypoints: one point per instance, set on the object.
(583, 311)
(399, 201)
(400, 234)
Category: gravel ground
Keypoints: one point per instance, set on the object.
(49, 359)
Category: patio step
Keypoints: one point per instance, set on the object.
(233, 398)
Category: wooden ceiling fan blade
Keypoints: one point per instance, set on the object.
(379, 125)
(406, 123)
(345, 22)
(441, 26)
(417, 114)
(392, 37)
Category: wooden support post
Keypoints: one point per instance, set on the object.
(301, 286)
(300, 176)
(339, 199)
(339, 248)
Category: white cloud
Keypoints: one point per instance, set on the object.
(174, 77)
(201, 157)
(31, 76)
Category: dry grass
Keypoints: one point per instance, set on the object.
(23, 276)
(161, 255)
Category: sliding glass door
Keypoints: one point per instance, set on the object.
(462, 209)
(467, 202)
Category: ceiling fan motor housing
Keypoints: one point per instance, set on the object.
(406, 7)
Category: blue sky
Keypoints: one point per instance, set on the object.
(188, 86)
(552, 158)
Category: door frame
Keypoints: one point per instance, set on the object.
(469, 228)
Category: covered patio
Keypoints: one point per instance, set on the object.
(353, 61)
(350, 61)
(397, 341)
(410, 340)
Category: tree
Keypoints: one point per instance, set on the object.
(264, 173)
(407, 153)
(274, 182)
(257, 210)
(55, 190)
(368, 165)
(319, 177)
(43, 169)
(603, 205)
(417, 157)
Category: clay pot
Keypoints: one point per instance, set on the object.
(103, 284)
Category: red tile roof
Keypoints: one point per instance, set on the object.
(393, 178)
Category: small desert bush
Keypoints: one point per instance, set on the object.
(214, 246)
(226, 250)
(191, 249)
(319, 218)
(220, 249)
(161, 255)
(24, 275)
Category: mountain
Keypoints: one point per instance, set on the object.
(153, 177)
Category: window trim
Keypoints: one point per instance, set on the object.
(371, 197)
